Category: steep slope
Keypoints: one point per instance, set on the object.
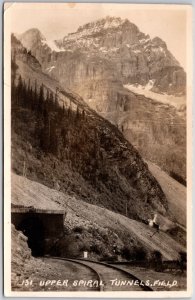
(156, 130)
(100, 61)
(174, 191)
(64, 143)
(85, 215)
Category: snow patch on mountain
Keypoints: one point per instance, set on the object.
(158, 49)
(52, 45)
(144, 41)
(177, 101)
(137, 51)
(50, 69)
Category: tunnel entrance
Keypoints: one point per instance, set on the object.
(39, 226)
(33, 229)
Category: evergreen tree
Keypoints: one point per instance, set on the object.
(14, 68)
(45, 131)
(83, 114)
(53, 147)
(63, 110)
(35, 98)
(19, 91)
(51, 102)
(77, 116)
(41, 100)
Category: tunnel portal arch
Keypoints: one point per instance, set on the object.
(32, 227)
(38, 225)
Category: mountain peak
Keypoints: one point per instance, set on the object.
(159, 42)
(105, 23)
(108, 31)
(34, 32)
(31, 38)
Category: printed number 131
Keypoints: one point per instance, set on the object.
(27, 282)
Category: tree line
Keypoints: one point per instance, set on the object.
(58, 130)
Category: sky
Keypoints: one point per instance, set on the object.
(55, 20)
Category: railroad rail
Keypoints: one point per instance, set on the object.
(109, 276)
(93, 271)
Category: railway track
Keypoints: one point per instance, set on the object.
(106, 277)
(83, 277)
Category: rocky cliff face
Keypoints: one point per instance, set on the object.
(99, 60)
(132, 55)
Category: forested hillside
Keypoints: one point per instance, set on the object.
(75, 150)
